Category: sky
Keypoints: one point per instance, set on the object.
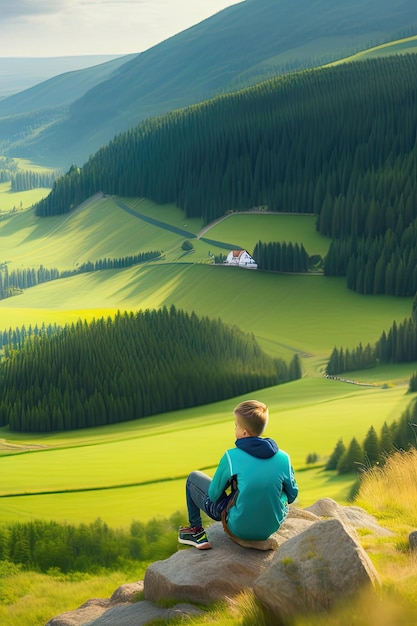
(54, 28)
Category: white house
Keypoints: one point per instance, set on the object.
(241, 258)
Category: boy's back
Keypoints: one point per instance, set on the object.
(265, 486)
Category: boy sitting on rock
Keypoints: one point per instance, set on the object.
(261, 481)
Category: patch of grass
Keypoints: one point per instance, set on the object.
(379, 491)
(31, 599)
(401, 46)
(246, 229)
(19, 199)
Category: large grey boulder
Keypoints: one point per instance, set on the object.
(209, 575)
(314, 551)
(314, 570)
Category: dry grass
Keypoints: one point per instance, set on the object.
(390, 492)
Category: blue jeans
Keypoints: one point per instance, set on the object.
(196, 491)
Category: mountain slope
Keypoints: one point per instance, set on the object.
(242, 44)
(20, 73)
(338, 142)
(62, 89)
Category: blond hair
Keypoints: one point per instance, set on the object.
(252, 415)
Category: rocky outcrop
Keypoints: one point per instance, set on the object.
(201, 575)
(91, 610)
(314, 570)
(314, 559)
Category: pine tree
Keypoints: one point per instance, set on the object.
(336, 455)
(371, 447)
(352, 460)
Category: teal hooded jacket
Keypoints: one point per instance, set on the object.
(265, 486)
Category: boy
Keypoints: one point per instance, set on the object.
(261, 479)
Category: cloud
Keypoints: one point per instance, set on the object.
(80, 27)
(15, 9)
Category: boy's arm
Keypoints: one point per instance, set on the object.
(290, 486)
(221, 478)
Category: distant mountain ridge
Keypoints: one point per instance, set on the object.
(241, 45)
(62, 89)
(20, 73)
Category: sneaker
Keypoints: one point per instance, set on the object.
(194, 536)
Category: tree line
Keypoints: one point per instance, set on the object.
(281, 257)
(15, 338)
(381, 264)
(357, 457)
(24, 180)
(399, 345)
(118, 369)
(16, 280)
(44, 546)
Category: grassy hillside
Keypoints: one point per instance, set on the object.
(242, 45)
(305, 314)
(137, 470)
(70, 477)
(308, 314)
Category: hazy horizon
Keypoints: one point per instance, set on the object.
(60, 28)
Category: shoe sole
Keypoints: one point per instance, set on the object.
(202, 546)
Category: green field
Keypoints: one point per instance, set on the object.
(136, 470)
(407, 45)
(141, 466)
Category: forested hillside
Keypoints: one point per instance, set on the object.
(114, 370)
(339, 142)
(240, 46)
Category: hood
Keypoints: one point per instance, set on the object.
(260, 447)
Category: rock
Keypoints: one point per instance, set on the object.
(91, 610)
(296, 521)
(141, 613)
(321, 557)
(353, 515)
(295, 512)
(193, 575)
(412, 539)
(86, 613)
(127, 592)
(205, 575)
(313, 570)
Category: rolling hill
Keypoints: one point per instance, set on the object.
(62, 89)
(243, 44)
(327, 141)
(302, 314)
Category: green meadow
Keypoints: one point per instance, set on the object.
(408, 45)
(136, 470)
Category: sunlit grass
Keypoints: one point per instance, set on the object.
(320, 308)
(19, 200)
(151, 457)
(380, 486)
(247, 229)
(32, 599)
(401, 46)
